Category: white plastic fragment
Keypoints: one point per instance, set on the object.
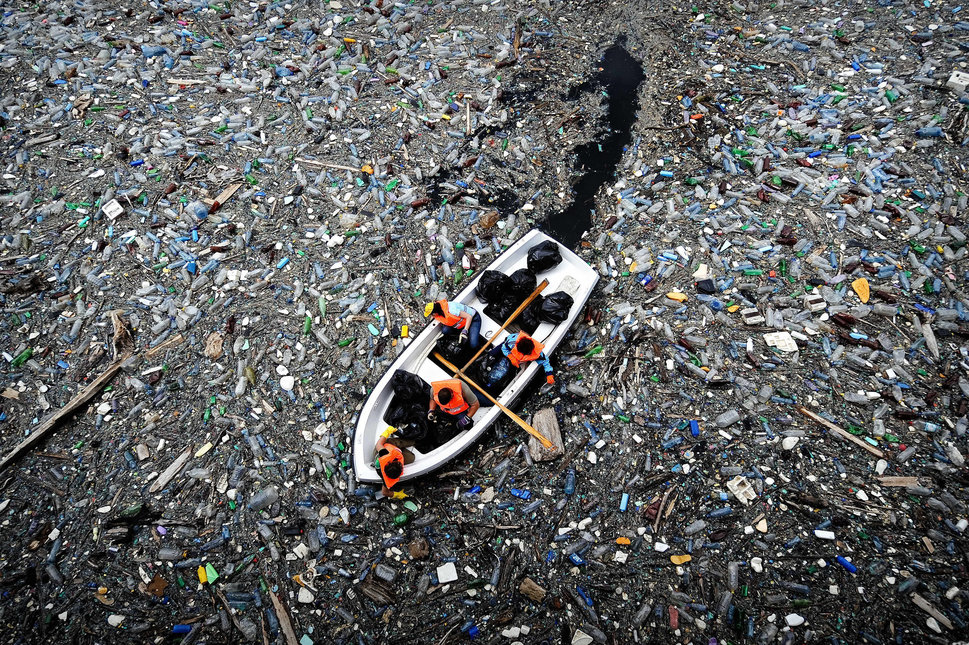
(958, 80)
(794, 620)
(782, 340)
(446, 573)
(113, 209)
(742, 489)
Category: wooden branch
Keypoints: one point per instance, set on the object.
(175, 340)
(843, 433)
(284, 623)
(50, 423)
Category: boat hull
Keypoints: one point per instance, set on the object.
(572, 275)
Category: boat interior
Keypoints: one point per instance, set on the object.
(430, 369)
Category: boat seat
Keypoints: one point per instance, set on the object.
(430, 372)
(569, 285)
(488, 326)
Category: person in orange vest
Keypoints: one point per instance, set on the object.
(389, 463)
(457, 317)
(454, 398)
(519, 349)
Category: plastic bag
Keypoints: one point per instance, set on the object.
(492, 286)
(480, 369)
(544, 256)
(556, 307)
(408, 417)
(530, 319)
(410, 386)
(482, 374)
(408, 409)
(451, 348)
(523, 283)
(500, 310)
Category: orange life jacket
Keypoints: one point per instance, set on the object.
(457, 404)
(449, 319)
(517, 358)
(393, 453)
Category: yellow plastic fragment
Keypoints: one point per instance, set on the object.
(861, 288)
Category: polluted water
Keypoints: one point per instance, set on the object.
(221, 223)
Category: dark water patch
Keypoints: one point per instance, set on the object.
(490, 197)
(519, 97)
(619, 77)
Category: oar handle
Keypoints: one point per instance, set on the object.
(514, 417)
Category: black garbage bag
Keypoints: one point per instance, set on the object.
(530, 319)
(523, 283)
(492, 286)
(501, 309)
(450, 347)
(556, 307)
(408, 408)
(480, 368)
(483, 367)
(409, 417)
(544, 256)
(410, 386)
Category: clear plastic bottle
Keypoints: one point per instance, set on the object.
(266, 497)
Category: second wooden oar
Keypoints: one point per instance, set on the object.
(511, 318)
(514, 417)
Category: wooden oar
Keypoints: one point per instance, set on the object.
(511, 318)
(514, 417)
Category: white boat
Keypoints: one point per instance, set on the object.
(571, 275)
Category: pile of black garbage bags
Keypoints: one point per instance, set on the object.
(504, 293)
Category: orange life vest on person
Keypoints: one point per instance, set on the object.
(517, 358)
(457, 404)
(393, 454)
(449, 319)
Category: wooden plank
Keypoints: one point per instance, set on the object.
(514, 417)
(171, 471)
(927, 607)
(284, 623)
(888, 480)
(226, 194)
(50, 423)
(843, 433)
(547, 424)
(320, 164)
